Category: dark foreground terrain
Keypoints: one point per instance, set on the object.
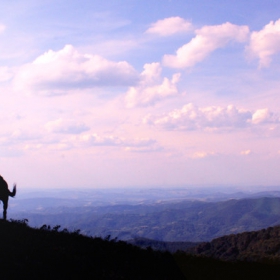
(47, 253)
(28, 253)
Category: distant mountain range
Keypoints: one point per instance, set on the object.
(180, 221)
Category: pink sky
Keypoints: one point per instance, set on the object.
(110, 99)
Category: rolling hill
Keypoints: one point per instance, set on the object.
(192, 221)
(258, 246)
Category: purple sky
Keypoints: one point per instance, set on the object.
(140, 93)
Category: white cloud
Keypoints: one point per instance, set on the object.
(213, 118)
(151, 88)
(58, 72)
(265, 43)
(263, 116)
(207, 40)
(170, 26)
(66, 127)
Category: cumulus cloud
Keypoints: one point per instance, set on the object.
(151, 88)
(66, 127)
(264, 116)
(212, 118)
(67, 69)
(207, 40)
(265, 43)
(170, 26)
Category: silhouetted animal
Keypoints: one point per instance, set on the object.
(4, 195)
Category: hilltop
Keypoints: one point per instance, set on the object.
(48, 253)
(258, 246)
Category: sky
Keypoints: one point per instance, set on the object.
(133, 93)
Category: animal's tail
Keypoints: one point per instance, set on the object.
(13, 193)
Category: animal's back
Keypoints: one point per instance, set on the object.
(3, 187)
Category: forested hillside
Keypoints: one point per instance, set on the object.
(261, 246)
(193, 221)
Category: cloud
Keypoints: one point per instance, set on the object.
(264, 116)
(246, 153)
(18, 138)
(207, 40)
(5, 74)
(66, 127)
(75, 139)
(212, 118)
(170, 26)
(265, 43)
(67, 69)
(130, 145)
(92, 139)
(201, 155)
(152, 88)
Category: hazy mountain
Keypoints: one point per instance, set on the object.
(186, 220)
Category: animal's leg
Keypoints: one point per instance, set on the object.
(5, 206)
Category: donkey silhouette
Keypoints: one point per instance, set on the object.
(4, 195)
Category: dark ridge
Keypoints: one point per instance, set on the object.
(47, 253)
(162, 245)
(51, 253)
(258, 246)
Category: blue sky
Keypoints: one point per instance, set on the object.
(139, 93)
